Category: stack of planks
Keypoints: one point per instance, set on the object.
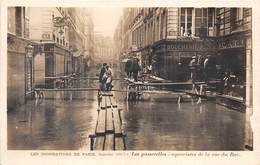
(108, 133)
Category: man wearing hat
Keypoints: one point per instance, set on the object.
(102, 79)
(192, 66)
(206, 68)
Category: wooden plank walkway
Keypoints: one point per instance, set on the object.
(168, 83)
(108, 133)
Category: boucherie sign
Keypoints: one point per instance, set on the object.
(231, 42)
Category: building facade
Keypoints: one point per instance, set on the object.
(167, 39)
(81, 38)
(64, 35)
(104, 50)
(18, 78)
(45, 42)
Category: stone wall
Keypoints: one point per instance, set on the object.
(16, 71)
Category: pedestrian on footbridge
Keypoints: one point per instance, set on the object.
(128, 68)
(192, 66)
(136, 68)
(206, 68)
(109, 79)
(103, 77)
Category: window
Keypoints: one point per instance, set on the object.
(211, 21)
(189, 21)
(238, 18)
(224, 19)
(239, 14)
(186, 21)
(201, 21)
(18, 20)
(211, 14)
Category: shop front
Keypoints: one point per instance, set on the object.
(173, 57)
(231, 61)
(57, 63)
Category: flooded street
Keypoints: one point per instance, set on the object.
(54, 124)
(168, 126)
(65, 124)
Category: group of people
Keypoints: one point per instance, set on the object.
(105, 78)
(194, 63)
(229, 79)
(132, 68)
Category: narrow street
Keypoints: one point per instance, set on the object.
(129, 78)
(58, 124)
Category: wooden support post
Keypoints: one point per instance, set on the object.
(91, 137)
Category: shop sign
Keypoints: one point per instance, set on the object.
(185, 46)
(230, 43)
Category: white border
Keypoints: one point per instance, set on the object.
(23, 157)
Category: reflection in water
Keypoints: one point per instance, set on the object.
(169, 126)
(64, 120)
(55, 124)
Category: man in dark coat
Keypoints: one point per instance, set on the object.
(101, 76)
(136, 68)
(128, 68)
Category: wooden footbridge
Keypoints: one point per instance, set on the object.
(194, 89)
(135, 90)
(108, 133)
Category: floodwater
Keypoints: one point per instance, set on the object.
(188, 126)
(58, 124)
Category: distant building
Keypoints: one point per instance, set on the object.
(52, 57)
(81, 41)
(61, 33)
(104, 49)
